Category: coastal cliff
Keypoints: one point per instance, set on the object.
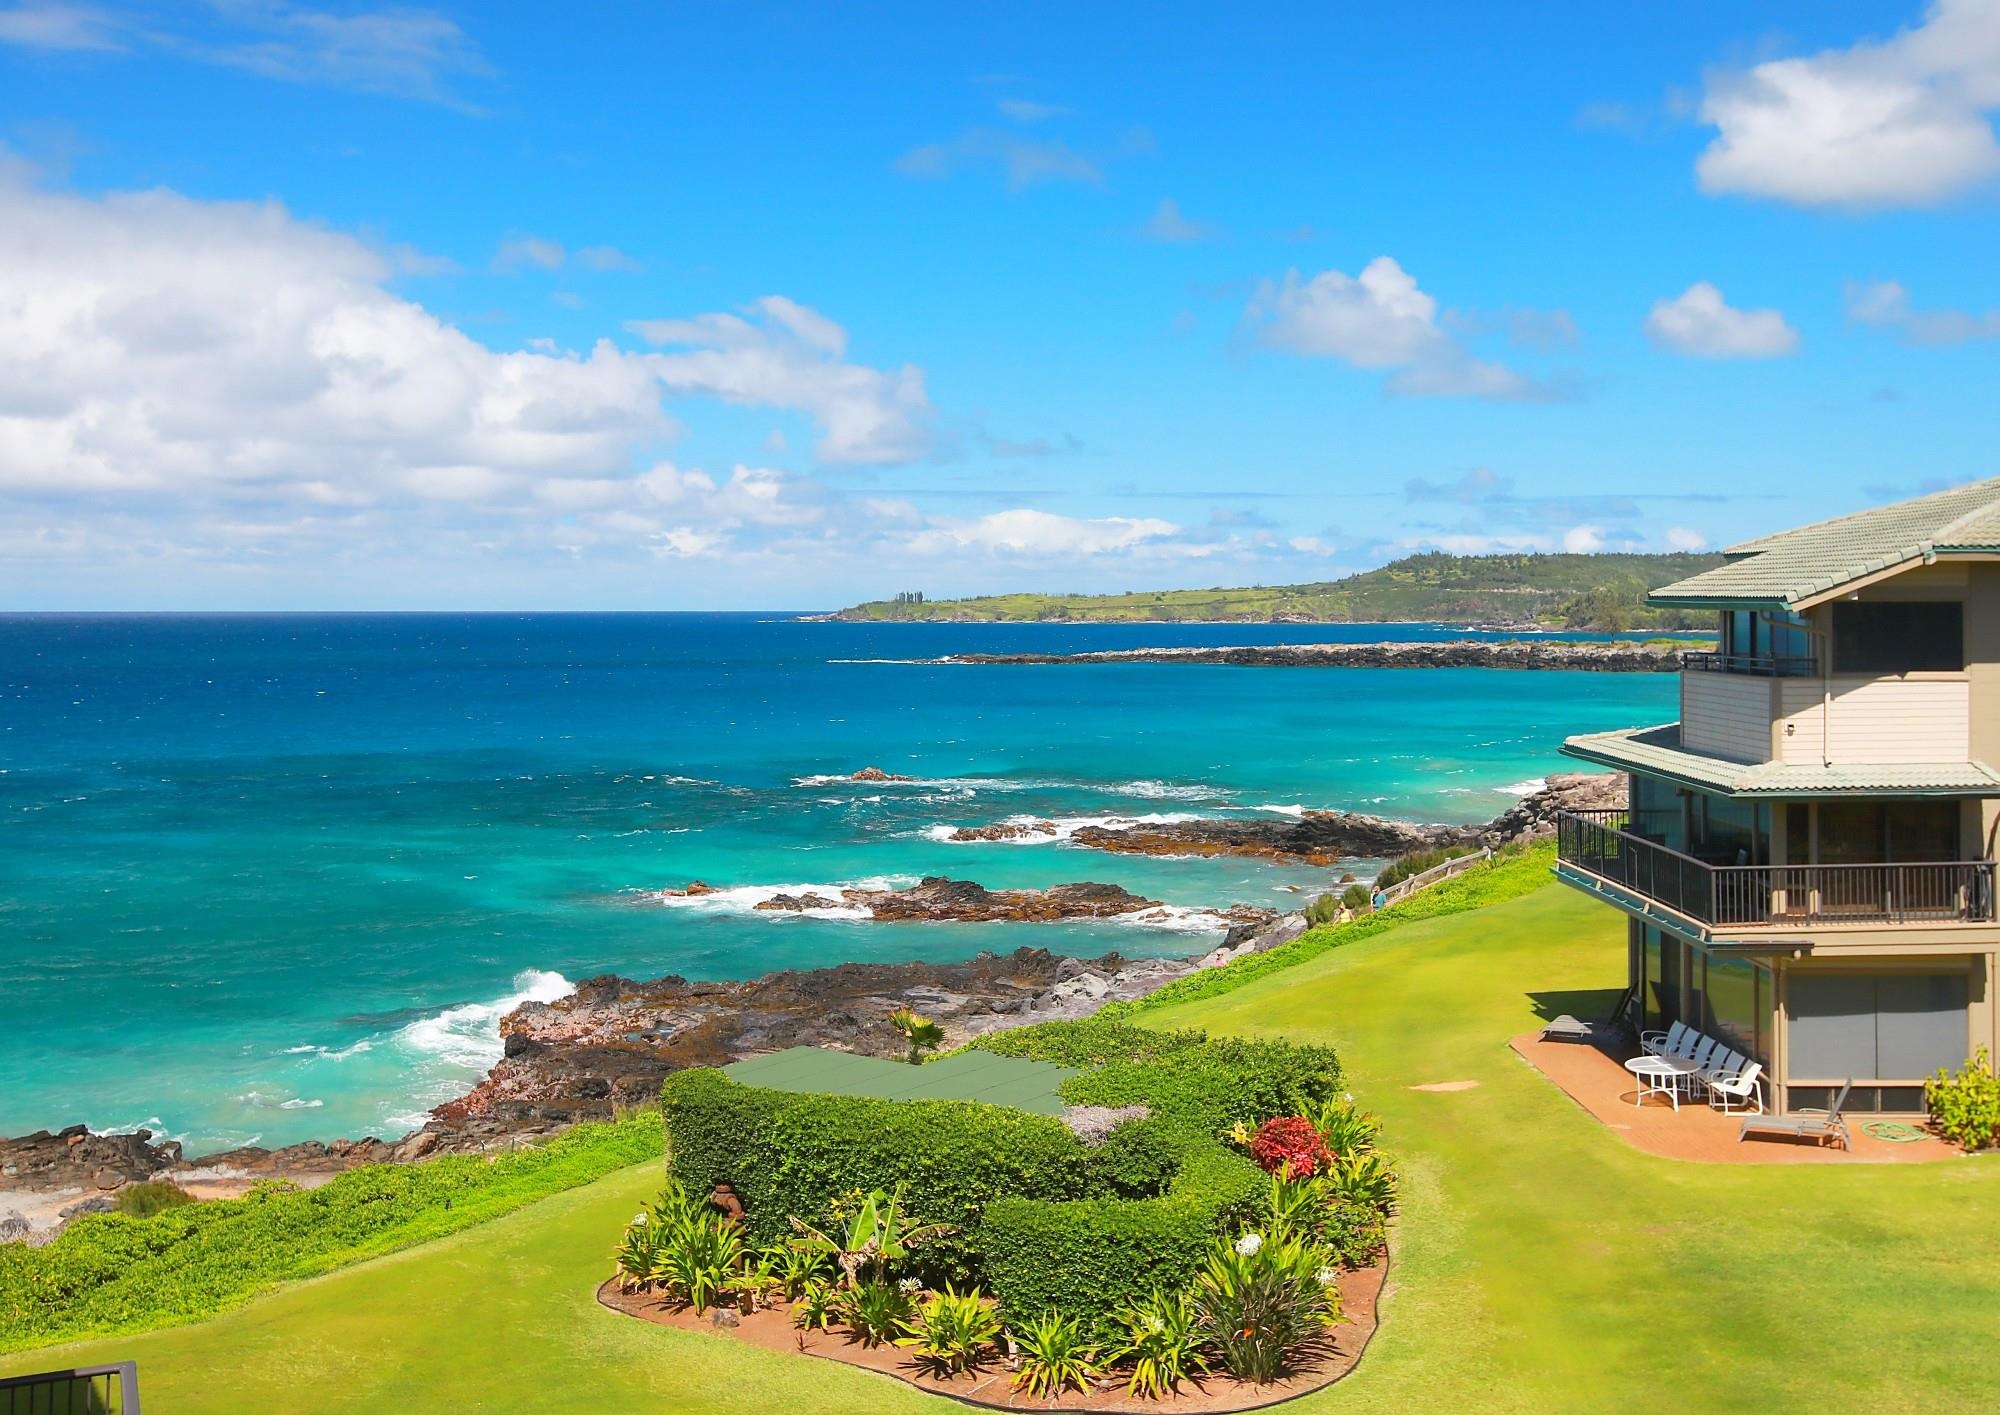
(1616, 656)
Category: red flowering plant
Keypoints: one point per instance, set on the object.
(1293, 1144)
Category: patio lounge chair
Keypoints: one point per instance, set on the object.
(1816, 1125)
(1725, 1092)
(1574, 1029)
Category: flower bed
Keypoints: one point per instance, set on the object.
(1202, 1236)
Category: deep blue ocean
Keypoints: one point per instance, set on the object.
(268, 878)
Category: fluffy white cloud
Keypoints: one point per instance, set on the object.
(1684, 538)
(34, 25)
(1699, 321)
(1898, 122)
(1579, 540)
(1023, 161)
(1030, 532)
(785, 355)
(1381, 319)
(520, 251)
(1885, 304)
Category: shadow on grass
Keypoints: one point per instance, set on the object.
(1587, 1004)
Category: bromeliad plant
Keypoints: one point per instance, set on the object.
(1161, 1337)
(1346, 1128)
(875, 1311)
(817, 1306)
(951, 1332)
(1262, 1301)
(1056, 1354)
(1365, 1180)
(678, 1244)
(877, 1237)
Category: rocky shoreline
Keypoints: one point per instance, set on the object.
(608, 1044)
(1624, 656)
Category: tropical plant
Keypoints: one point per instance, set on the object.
(878, 1236)
(1161, 1337)
(1353, 1234)
(638, 1251)
(697, 1253)
(754, 1285)
(1965, 1106)
(1355, 898)
(1260, 1301)
(1346, 1128)
(951, 1332)
(796, 1265)
(1366, 1179)
(1323, 910)
(1056, 1354)
(1291, 1143)
(875, 1311)
(1297, 1206)
(817, 1305)
(921, 1033)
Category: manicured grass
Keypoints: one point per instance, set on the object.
(1541, 1263)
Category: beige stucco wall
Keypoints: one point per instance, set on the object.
(1726, 715)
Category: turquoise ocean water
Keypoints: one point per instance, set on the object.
(277, 877)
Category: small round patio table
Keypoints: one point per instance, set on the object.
(1660, 1075)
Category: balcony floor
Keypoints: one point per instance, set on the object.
(1597, 1081)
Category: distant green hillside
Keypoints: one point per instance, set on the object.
(1571, 591)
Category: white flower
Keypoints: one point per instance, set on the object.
(1326, 1277)
(639, 1217)
(1248, 1244)
(910, 1284)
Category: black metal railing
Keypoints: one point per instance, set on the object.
(1761, 665)
(1731, 896)
(81, 1390)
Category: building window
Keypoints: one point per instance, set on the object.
(1899, 636)
(1736, 998)
(1875, 1027)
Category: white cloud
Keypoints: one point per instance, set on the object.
(1030, 532)
(1893, 123)
(1684, 538)
(1167, 224)
(54, 26)
(1581, 540)
(520, 251)
(1700, 322)
(1380, 319)
(1885, 304)
(1023, 161)
(606, 258)
(406, 53)
(786, 355)
(1026, 110)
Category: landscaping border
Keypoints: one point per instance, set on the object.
(1362, 1290)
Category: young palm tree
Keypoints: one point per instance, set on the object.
(922, 1034)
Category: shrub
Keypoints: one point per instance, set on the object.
(1965, 1107)
(1353, 1234)
(1290, 1143)
(1056, 1354)
(1261, 1301)
(1160, 1335)
(951, 1332)
(1346, 1128)
(113, 1273)
(1325, 909)
(1407, 866)
(816, 1305)
(876, 1312)
(152, 1197)
(1364, 1179)
(1355, 899)
(796, 1266)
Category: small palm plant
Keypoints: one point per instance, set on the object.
(921, 1033)
(878, 1236)
(1161, 1336)
(1056, 1354)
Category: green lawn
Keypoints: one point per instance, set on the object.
(1540, 1262)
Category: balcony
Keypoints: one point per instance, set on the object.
(1755, 896)
(1750, 665)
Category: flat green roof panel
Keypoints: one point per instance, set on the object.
(969, 1076)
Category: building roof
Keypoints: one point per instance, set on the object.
(1790, 568)
(966, 1076)
(1657, 751)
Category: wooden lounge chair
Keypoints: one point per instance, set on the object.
(1816, 1125)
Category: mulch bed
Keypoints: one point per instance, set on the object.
(992, 1385)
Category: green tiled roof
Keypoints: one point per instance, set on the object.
(1657, 751)
(967, 1076)
(1779, 571)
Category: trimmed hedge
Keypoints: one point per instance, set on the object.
(1043, 1219)
(113, 1273)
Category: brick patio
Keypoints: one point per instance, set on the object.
(1596, 1079)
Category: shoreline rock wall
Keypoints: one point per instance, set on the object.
(1621, 656)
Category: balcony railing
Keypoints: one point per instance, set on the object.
(1736, 896)
(1755, 665)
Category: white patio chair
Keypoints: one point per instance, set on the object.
(1723, 1065)
(1661, 1043)
(1744, 1087)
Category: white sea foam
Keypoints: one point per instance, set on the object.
(1525, 788)
(469, 1034)
(1175, 918)
(745, 898)
(1295, 810)
(1065, 827)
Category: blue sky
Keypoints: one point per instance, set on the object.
(767, 306)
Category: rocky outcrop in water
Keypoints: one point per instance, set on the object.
(1554, 654)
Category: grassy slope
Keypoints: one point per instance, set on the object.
(1541, 1263)
(1489, 588)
